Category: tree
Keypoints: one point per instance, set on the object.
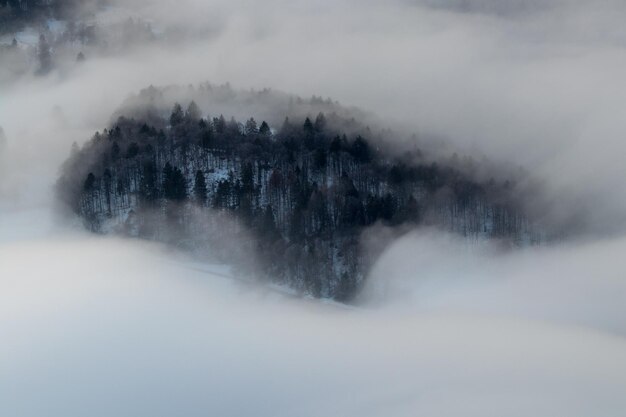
(220, 124)
(286, 128)
(320, 122)
(335, 145)
(148, 190)
(397, 174)
(207, 138)
(264, 130)
(177, 115)
(80, 57)
(319, 158)
(222, 195)
(88, 186)
(107, 180)
(199, 188)
(251, 127)
(308, 126)
(132, 150)
(268, 228)
(360, 150)
(247, 178)
(233, 127)
(387, 207)
(174, 183)
(115, 151)
(193, 113)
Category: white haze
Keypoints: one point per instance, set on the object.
(102, 327)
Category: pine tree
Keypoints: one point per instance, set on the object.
(335, 145)
(251, 127)
(193, 113)
(199, 188)
(88, 186)
(320, 122)
(319, 158)
(220, 124)
(247, 178)
(174, 183)
(177, 115)
(115, 151)
(308, 126)
(207, 138)
(360, 150)
(265, 129)
(148, 190)
(286, 128)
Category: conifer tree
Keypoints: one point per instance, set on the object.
(177, 115)
(265, 129)
(193, 113)
(251, 127)
(199, 188)
(308, 126)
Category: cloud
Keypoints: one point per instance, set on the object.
(101, 327)
(575, 284)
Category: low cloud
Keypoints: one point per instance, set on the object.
(575, 284)
(100, 327)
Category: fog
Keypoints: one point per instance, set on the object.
(99, 326)
(106, 327)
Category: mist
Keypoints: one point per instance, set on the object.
(139, 332)
(104, 326)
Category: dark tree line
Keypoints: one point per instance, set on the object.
(298, 198)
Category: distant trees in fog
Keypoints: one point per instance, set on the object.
(64, 44)
(303, 193)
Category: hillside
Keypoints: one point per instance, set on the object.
(288, 202)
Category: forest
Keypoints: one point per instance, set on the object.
(289, 204)
(39, 37)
